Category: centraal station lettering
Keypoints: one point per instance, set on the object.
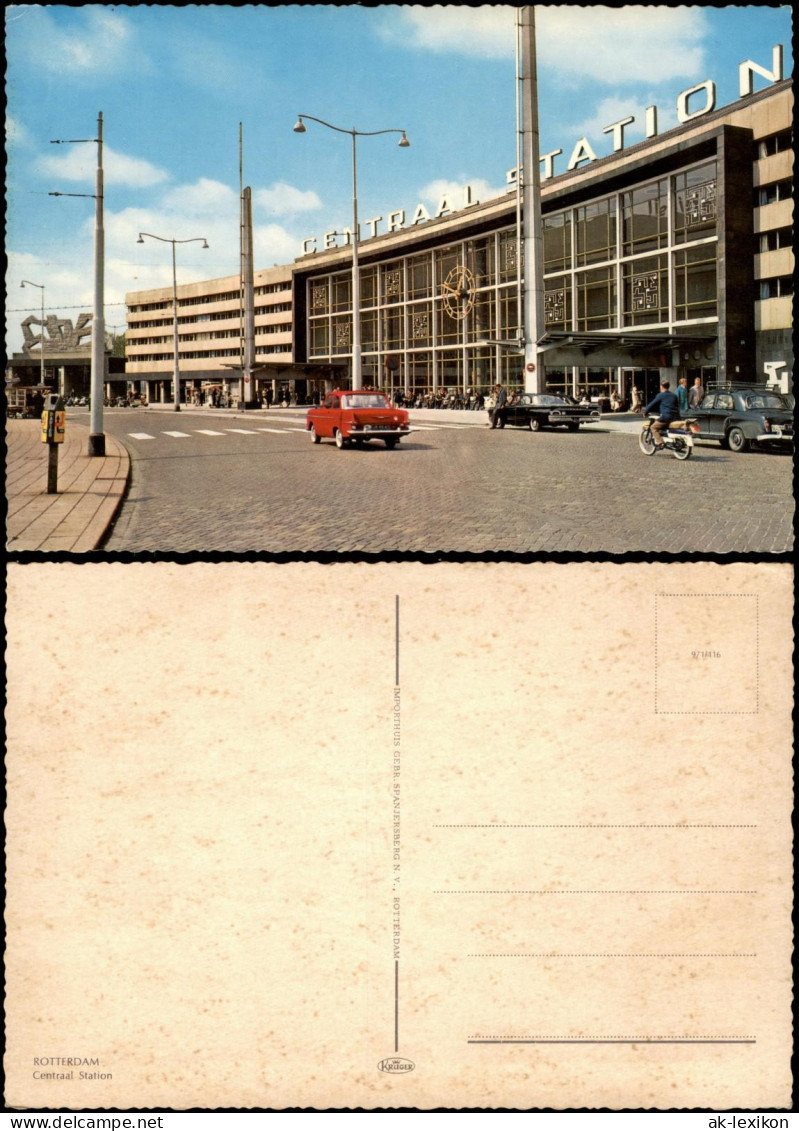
(691, 104)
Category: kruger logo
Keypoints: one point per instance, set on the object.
(396, 1064)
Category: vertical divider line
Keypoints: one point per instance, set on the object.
(396, 684)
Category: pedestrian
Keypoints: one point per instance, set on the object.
(682, 394)
(696, 394)
(498, 411)
(665, 403)
(638, 403)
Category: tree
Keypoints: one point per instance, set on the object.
(115, 343)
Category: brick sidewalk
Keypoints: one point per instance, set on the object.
(90, 489)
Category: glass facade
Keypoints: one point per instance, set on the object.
(644, 257)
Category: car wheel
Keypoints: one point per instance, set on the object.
(315, 437)
(391, 442)
(736, 441)
(339, 438)
(534, 424)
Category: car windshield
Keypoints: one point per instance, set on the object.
(543, 398)
(764, 400)
(364, 400)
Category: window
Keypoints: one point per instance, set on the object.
(391, 282)
(695, 203)
(446, 259)
(695, 282)
(420, 276)
(595, 226)
(369, 286)
(341, 335)
(645, 289)
(318, 297)
(342, 292)
(420, 325)
(645, 218)
(557, 242)
(369, 330)
(392, 328)
(508, 313)
(774, 143)
(479, 258)
(510, 262)
(775, 288)
(596, 299)
(777, 190)
(558, 303)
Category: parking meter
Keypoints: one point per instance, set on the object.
(53, 431)
(53, 420)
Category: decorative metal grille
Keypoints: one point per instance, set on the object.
(343, 334)
(392, 283)
(700, 204)
(554, 306)
(645, 292)
(509, 256)
(318, 297)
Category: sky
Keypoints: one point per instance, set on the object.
(174, 84)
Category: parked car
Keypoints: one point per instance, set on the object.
(357, 415)
(545, 410)
(739, 416)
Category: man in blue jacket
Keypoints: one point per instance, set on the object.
(664, 403)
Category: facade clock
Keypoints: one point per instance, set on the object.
(457, 292)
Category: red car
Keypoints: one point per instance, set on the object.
(357, 415)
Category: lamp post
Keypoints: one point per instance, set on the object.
(194, 239)
(41, 344)
(357, 379)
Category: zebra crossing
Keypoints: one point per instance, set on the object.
(284, 430)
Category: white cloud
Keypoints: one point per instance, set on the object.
(606, 45)
(96, 48)
(16, 134)
(78, 163)
(282, 199)
(624, 45)
(456, 191)
(274, 244)
(484, 32)
(205, 198)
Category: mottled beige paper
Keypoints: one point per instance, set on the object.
(526, 845)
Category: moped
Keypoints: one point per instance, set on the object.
(678, 438)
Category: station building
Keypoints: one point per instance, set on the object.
(671, 257)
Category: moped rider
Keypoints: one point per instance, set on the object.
(665, 403)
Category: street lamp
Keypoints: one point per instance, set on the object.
(357, 380)
(194, 239)
(41, 346)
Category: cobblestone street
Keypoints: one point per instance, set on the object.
(227, 482)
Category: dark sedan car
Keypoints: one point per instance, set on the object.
(740, 416)
(544, 410)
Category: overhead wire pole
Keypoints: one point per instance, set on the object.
(519, 255)
(96, 435)
(534, 376)
(246, 287)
